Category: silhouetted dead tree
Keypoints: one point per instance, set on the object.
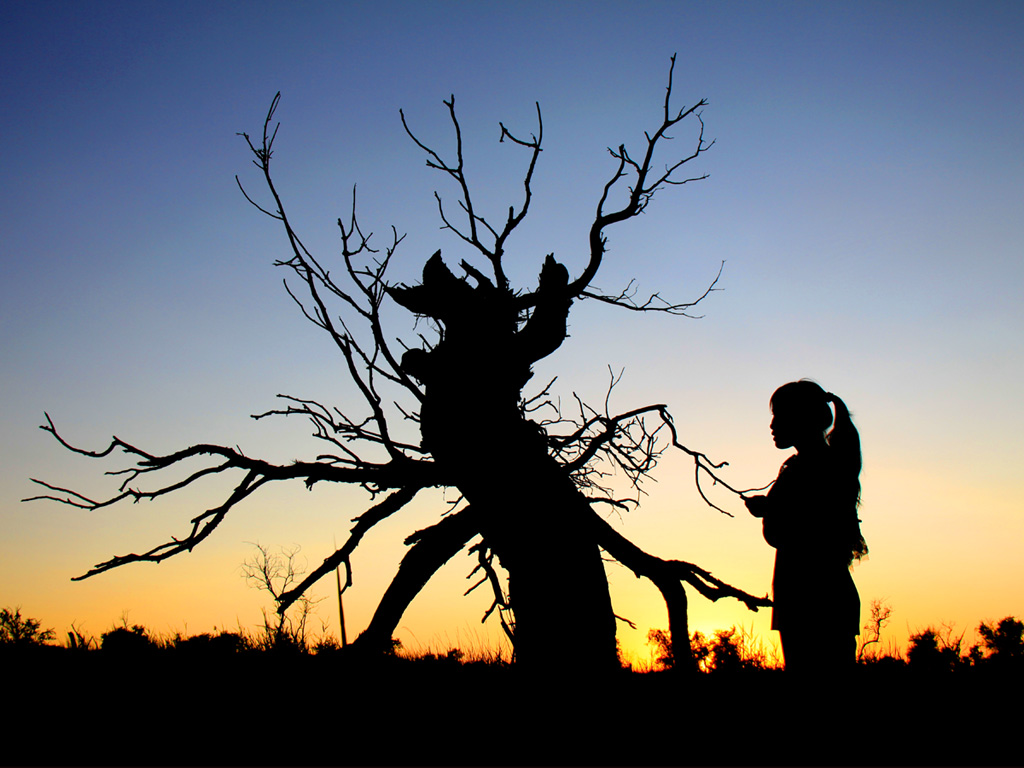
(529, 486)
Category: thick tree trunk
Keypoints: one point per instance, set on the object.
(531, 513)
(538, 523)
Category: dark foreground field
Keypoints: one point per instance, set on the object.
(88, 709)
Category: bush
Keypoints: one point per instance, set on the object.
(1004, 643)
(662, 642)
(127, 640)
(730, 650)
(733, 650)
(21, 632)
(881, 614)
(206, 645)
(936, 650)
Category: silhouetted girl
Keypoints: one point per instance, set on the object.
(810, 517)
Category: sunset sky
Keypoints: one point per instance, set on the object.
(866, 194)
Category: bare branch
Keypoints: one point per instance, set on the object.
(654, 303)
(658, 570)
(494, 250)
(703, 464)
(627, 441)
(485, 557)
(405, 473)
(369, 282)
(644, 184)
(202, 526)
(333, 426)
(363, 523)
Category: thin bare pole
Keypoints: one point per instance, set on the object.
(341, 606)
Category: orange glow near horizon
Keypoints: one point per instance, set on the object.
(863, 247)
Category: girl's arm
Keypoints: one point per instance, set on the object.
(775, 507)
(763, 507)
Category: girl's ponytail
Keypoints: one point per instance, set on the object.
(844, 442)
(843, 438)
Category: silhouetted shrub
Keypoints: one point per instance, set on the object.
(19, 631)
(885, 663)
(229, 642)
(1004, 643)
(276, 573)
(326, 644)
(730, 650)
(871, 634)
(727, 652)
(935, 651)
(207, 645)
(662, 643)
(452, 658)
(127, 640)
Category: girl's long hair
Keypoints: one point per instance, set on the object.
(811, 402)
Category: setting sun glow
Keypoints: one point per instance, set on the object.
(864, 195)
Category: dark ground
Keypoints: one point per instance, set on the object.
(91, 709)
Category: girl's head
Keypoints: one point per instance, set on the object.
(800, 414)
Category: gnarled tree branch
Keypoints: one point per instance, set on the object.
(644, 182)
(405, 474)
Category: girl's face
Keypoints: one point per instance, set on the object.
(782, 430)
(791, 429)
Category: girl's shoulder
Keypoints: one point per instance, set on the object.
(794, 465)
(814, 469)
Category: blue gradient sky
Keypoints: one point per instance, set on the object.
(865, 192)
